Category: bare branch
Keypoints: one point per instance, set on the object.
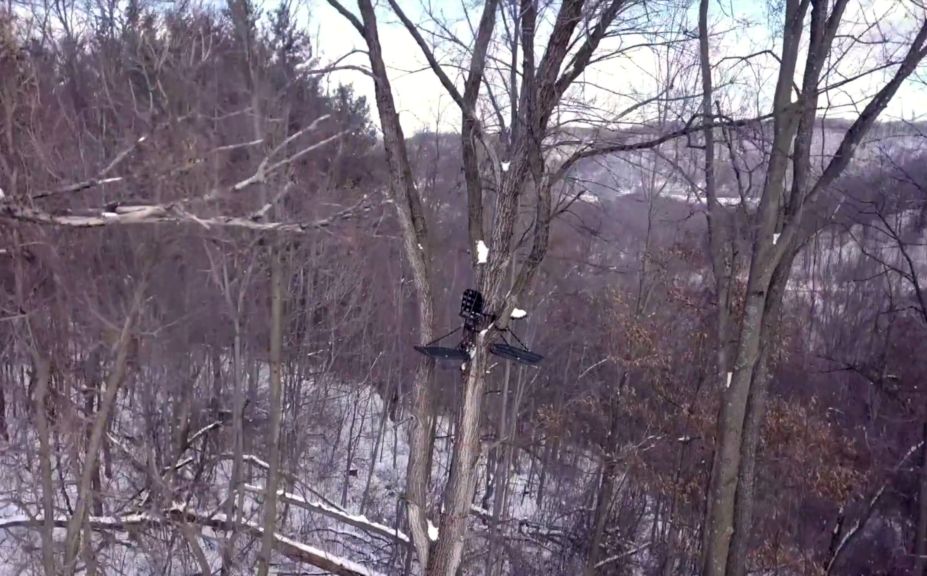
(171, 213)
(348, 15)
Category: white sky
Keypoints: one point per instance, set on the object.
(743, 27)
(420, 99)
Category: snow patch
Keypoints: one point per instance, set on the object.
(505, 166)
(518, 313)
(729, 376)
(588, 197)
(256, 461)
(204, 430)
(482, 252)
(432, 532)
(776, 238)
(358, 520)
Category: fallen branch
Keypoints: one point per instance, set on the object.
(623, 555)
(170, 213)
(356, 520)
(292, 549)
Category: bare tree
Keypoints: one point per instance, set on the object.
(784, 221)
(516, 170)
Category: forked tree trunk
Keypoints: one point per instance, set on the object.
(101, 421)
(753, 425)
(543, 84)
(783, 223)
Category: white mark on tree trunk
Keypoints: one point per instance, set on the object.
(729, 376)
(518, 313)
(505, 166)
(482, 252)
(776, 238)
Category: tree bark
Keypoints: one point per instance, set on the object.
(720, 522)
(462, 479)
(603, 499)
(387, 412)
(416, 245)
(753, 427)
(41, 376)
(113, 382)
(920, 535)
(274, 409)
(772, 251)
(500, 475)
(238, 408)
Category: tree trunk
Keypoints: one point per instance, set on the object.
(415, 244)
(106, 406)
(388, 408)
(349, 457)
(238, 406)
(501, 474)
(726, 470)
(603, 499)
(4, 433)
(920, 537)
(274, 409)
(41, 376)
(462, 481)
(753, 426)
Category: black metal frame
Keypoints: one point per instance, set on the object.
(471, 310)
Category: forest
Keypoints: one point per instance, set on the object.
(644, 298)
